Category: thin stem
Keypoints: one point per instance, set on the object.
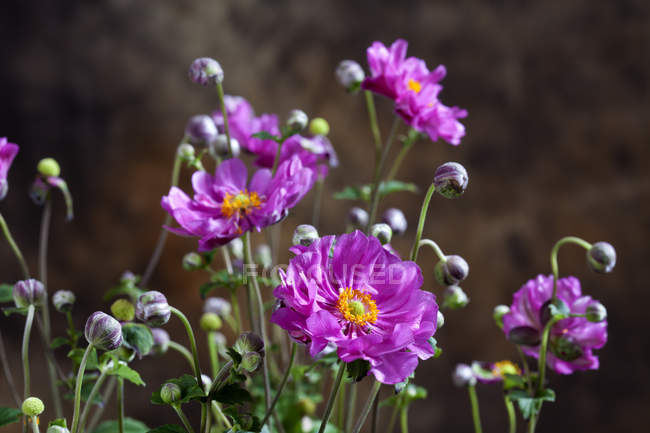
(7, 372)
(224, 418)
(340, 407)
(374, 125)
(120, 404)
(214, 356)
(224, 113)
(476, 417)
(318, 198)
(162, 238)
(190, 335)
(183, 351)
(276, 160)
(34, 422)
(14, 247)
(524, 361)
(330, 402)
(542, 353)
(183, 417)
(393, 419)
(108, 392)
(368, 406)
(351, 406)
(403, 419)
(556, 248)
(512, 418)
(89, 402)
(434, 246)
(532, 423)
(379, 168)
(400, 158)
(25, 352)
(77, 389)
(423, 217)
(226, 259)
(43, 240)
(375, 415)
(234, 301)
(294, 347)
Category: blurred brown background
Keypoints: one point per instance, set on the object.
(557, 144)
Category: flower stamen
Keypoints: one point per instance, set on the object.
(502, 368)
(414, 85)
(242, 203)
(357, 307)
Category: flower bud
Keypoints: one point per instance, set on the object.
(454, 298)
(396, 220)
(498, 313)
(201, 130)
(123, 310)
(33, 406)
(103, 331)
(48, 167)
(463, 376)
(306, 424)
(382, 231)
(160, 341)
(186, 152)
(358, 217)
(218, 306)
(596, 312)
(304, 235)
(249, 342)
(129, 278)
(350, 75)
(210, 322)
(29, 292)
(219, 146)
(170, 393)
(251, 361)
(63, 300)
(307, 406)
(297, 120)
(524, 336)
(236, 248)
(452, 270)
(57, 429)
(4, 188)
(319, 126)
(450, 180)
(206, 72)
(440, 320)
(193, 261)
(206, 381)
(565, 348)
(262, 256)
(601, 257)
(152, 308)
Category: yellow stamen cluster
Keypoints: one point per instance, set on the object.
(242, 203)
(414, 85)
(357, 307)
(502, 368)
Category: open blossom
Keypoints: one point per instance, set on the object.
(225, 206)
(571, 340)
(415, 90)
(314, 152)
(8, 152)
(349, 292)
(487, 372)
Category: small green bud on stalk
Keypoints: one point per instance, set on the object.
(33, 406)
(451, 271)
(57, 429)
(193, 261)
(319, 126)
(210, 322)
(498, 313)
(123, 310)
(206, 72)
(48, 167)
(383, 232)
(596, 312)
(170, 393)
(305, 235)
(297, 120)
(454, 297)
(63, 301)
(350, 75)
(186, 152)
(601, 257)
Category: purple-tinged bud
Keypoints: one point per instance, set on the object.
(63, 301)
(152, 308)
(251, 361)
(170, 393)
(193, 262)
(262, 256)
(186, 152)
(440, 320)
(601, 257)
(305, 235)
(350, 75)
(201, 130)
(206, 381)
(206, 72)
(454, 298)
(358, 217)
(451, 271)
(249, 342)
(498, 313)
(219, 147)
(396, 220)
(596, 312)
(463, 376)
(382, 231)
(160, 341)
(566, 348)
(450, 180)
(297, 120)
(218, 306)
(33, 406)
(103, 331)
(29, 292)
(210, 322)
(319, 126)
(129, 278)
(4, 188)
(38, 191)
(123, 310)
(236, 248)
(524, 336)
(48, 167)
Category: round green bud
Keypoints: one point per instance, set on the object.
(452, 270)
(601, 257)
(57, 429)
(33, 406)
(186, 152)
(251, 361)
(210, 322)
(48, 167)
(454, 298)
(498, 313)
(193, 261)
(596, 312)
(383, 232)
(319, 126)
(249, 342)
(170, 393)
(307, 406)
(304, 235)
(440, 319)
(63, 300)
(123, 310)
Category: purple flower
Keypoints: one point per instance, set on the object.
(350, 292)
(8, 152)
(415, 90)
(571, 340)
(225, 206)
(487, 372)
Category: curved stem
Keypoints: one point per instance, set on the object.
(512, 418)
(77, 389)
(434, 246)
(542, 353)
(93, 392)
(190, 335)
(330, 402)
(214, 356)
(400, 158)
(556, 248)
(222, 416)
(25, 351)
(368, 406)
(14, 247)
(294, 347)
(162, 238)
(423, 217)
(7, 372)
(476, 417)
(220, 377)
(379, 168)
(224, 113)
(120, 404)
(374, 125)
(183, 417)
(183, 351)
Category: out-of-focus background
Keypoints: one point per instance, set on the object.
(557, 144)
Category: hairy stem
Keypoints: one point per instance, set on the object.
(330, 402)
(367, 407)
(556, 248)
(14, 247)
(476, 417)
(294, 347)
(77, 389)
(25, 351)
(423, 217)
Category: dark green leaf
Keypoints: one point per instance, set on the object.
(77, 354)
(127, 373)
(130, 426)
(512, 381)
(364, 192)
(358, 369)
(6, 293)
(235, 356)
(190, 390)
(9, 415)
(15, 310)
(137, 337)
(231, 394)
(168, 428)
(58, 342)
(263, 135)
(530, 405)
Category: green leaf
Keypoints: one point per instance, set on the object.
(77, 354)
(15, 310)
(130, 426)
(137, 337)
(58, 342)
(6, 293)
(168, 428)
(364, 192)
(125, 289)
(263, 135)
(9, 415)
(127, 373)
(190, 390)
(530, 405)
(231, 394)
(513, 381)
(61, 422)
(358, 369)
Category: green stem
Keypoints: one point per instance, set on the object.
(214, 356)
(224, 418)
(25, 352)
(375, 416)
(512, 418)
(400, 158)
(224, 113)
(524, 361)
(220, 377)
(374, 125)
(162, 238)
(276, 160)
(77, 389)
(190, 335)
(43, 240)
(423, 217)
(476, 417)
(556, 248)
(89, 402)
(14, 247)
(403, 419)
(351, 406)
(108, 392)
(340, 407)
(226, 259)
(379, 168)
(120, 404)
(294, 347)
(532, 423)
(184, 420)
(393, 419)
(368, 406)
(34, 422)
(434, 246)
(7, 372)
(183, 351)
(330, 402)
(542, 354)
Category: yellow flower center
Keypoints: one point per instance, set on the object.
(502, 368)
(414, 85)
(357, 307)
(242, 203)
